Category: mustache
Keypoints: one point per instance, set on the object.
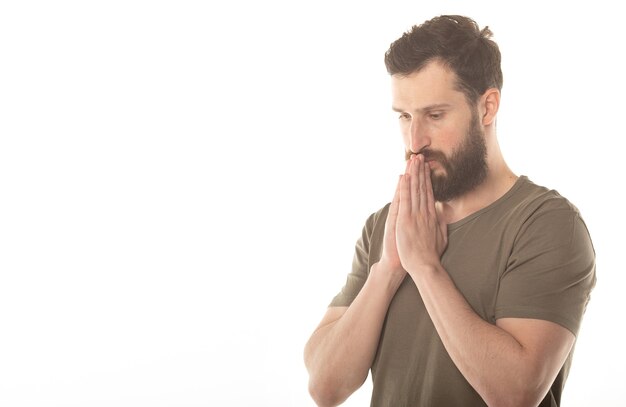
(428, 155)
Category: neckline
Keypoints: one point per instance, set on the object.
(518, 183)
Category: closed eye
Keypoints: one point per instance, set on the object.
(435, 115)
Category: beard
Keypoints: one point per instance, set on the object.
(464, 170)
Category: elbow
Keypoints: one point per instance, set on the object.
(523, 395)
(330, 392)
(324, 389)
(520, 400)
(512, 401)
(324, 394)
(529, 396)
(329, 384)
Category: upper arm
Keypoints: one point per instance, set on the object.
(370, 239)
(544, 292)
(550, 272)
(546, 346)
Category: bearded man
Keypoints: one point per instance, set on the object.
(469, 287)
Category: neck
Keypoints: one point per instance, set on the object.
(498, 181)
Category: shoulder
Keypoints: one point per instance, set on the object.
(531, 203)
(374, 227)
(546, 219)
(377, 217)
(531, 197)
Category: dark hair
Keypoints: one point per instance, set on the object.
(459, 44)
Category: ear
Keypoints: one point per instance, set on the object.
(490, 102)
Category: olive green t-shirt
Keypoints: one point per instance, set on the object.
(527, 255)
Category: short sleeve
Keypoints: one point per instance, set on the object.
(551, 270)
(360, 263)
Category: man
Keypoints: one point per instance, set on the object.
(468, 289)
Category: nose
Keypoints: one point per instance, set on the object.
(418, 137)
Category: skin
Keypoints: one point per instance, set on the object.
(511, 363)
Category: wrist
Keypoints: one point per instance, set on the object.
(424, 271)
(387, 276)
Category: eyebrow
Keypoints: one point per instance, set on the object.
(426, 108)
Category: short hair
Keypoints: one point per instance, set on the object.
(459, 44)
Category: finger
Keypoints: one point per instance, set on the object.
(393, 208)
(408, 164)
(414, 186)
(422, 184)
(430, 196)
(404, 205)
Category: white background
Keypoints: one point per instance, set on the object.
(182, 184)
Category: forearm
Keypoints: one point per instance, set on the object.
(339, 355)
(490, 358)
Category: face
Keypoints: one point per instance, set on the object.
(436, 121)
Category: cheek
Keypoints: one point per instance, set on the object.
(447, 144)
(449, 138)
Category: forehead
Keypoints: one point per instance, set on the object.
(433, 84)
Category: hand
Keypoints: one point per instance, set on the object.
(389, 259)
(421, 238)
